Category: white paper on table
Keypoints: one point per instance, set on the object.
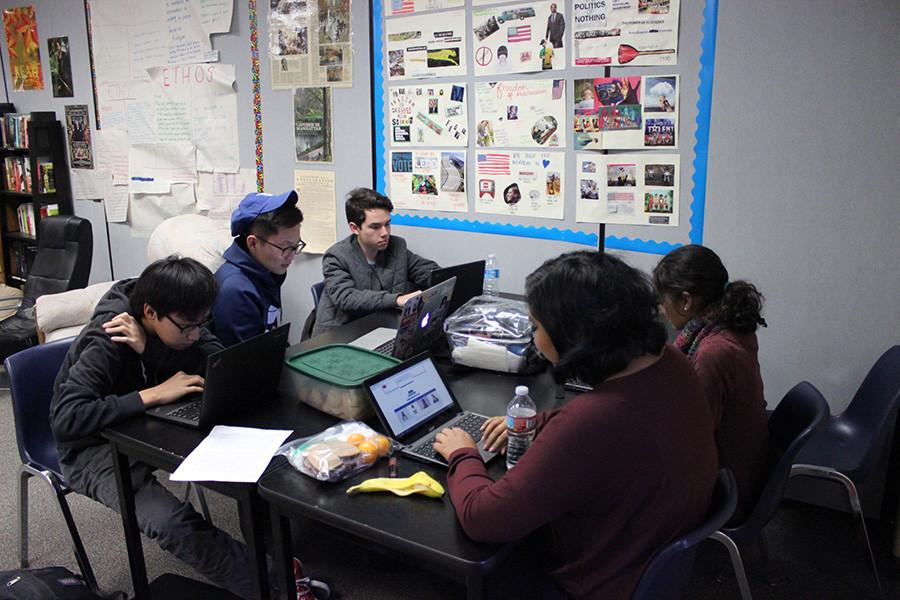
(149, 210)
(111, 153)
(236, 454)
(90, 184)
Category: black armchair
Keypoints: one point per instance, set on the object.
(62, 263)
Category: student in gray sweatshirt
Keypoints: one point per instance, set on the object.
(370, 269)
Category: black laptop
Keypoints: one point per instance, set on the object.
(237, 378)
(413, 403)
(469, 281)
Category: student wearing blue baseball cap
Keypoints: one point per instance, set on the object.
(266, 228)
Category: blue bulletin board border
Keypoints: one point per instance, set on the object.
(701, 156)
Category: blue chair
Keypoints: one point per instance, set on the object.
(801, 414)
(31, 375)
(847, 450)
(667, 575)
(317, 289)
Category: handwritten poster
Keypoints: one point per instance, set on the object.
(429, 180)
(220, 193)
(428, 115)
(522, 38)
(154, 168)
(626, 112)
(406, 7)
(425, 46)
(633, 189)
(24, 48)
(131, 36)
(625, 32)
(526, 113)
(196, 103)
(527, 184)
(309, 43)
(316, 192)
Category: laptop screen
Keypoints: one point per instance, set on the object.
(410, 397)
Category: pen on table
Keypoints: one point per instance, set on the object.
(392, 466)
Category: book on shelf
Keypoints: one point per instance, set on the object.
(20, 258)
(25, 214)
(14, 130)
(18, 173)
(46, 179)
(49, 210)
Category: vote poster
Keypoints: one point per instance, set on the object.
(526, 113)
(628, 189)
(428, 115)
(429, 180)
(426, 46)
(522, 38)
(526, 184)
(625, 32)
(625, 113)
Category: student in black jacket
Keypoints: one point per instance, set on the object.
(146, 345)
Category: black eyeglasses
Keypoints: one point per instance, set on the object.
(189, 329)
(287, 250)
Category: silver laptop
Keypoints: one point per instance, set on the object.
(238, 378)
(421, 324)
(413, 403)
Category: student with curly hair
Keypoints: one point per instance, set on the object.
(717, 319)
(613, 475)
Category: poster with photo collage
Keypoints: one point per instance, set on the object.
(422, 46)
(519, 38)
(626, 113)
(526, 184)
(428, 180)
(628, 189)
(428, 115)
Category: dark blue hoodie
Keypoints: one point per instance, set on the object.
(249, 300)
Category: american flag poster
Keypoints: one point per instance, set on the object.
(519, 38)
(526, 184)
(526, 113)
(406, 7)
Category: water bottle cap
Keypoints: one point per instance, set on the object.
(521, 390)
(491, 256)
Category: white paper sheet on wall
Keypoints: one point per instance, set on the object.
(111, 153)
(149, 210)
(316, 199)
(90, 184)
(153, 168)
(220, 193)
(523, 113)
(116, 204)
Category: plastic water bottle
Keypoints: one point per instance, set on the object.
(521, 422)
(491, 276)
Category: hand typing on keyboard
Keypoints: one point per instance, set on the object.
(449, 440)
(175, 387)
(493, 434)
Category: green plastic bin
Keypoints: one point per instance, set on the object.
(329, 378)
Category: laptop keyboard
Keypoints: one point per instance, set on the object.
(386, 348)
(191, 411)
(470, 423)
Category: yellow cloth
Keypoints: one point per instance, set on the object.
(420, 483)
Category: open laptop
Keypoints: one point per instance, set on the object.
(237, 378)
(421, 324)
(469, 281)
(413, 403)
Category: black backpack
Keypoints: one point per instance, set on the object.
(50, 583)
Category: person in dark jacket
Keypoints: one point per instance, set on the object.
(145, 345)
(718, 319)
(370, 270)
(613, 475)
(267, 239)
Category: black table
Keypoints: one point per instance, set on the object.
(164, 446)
(425, 529)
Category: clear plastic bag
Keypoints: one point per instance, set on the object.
(340, 451)
(492, 333)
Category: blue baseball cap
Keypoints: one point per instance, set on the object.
(254, 205)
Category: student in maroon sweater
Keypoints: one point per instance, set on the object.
(616, 473)
(718, 321)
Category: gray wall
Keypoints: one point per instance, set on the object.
(803, 175)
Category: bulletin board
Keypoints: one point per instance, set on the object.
(695, 68)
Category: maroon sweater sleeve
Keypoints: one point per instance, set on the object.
(496, 511)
